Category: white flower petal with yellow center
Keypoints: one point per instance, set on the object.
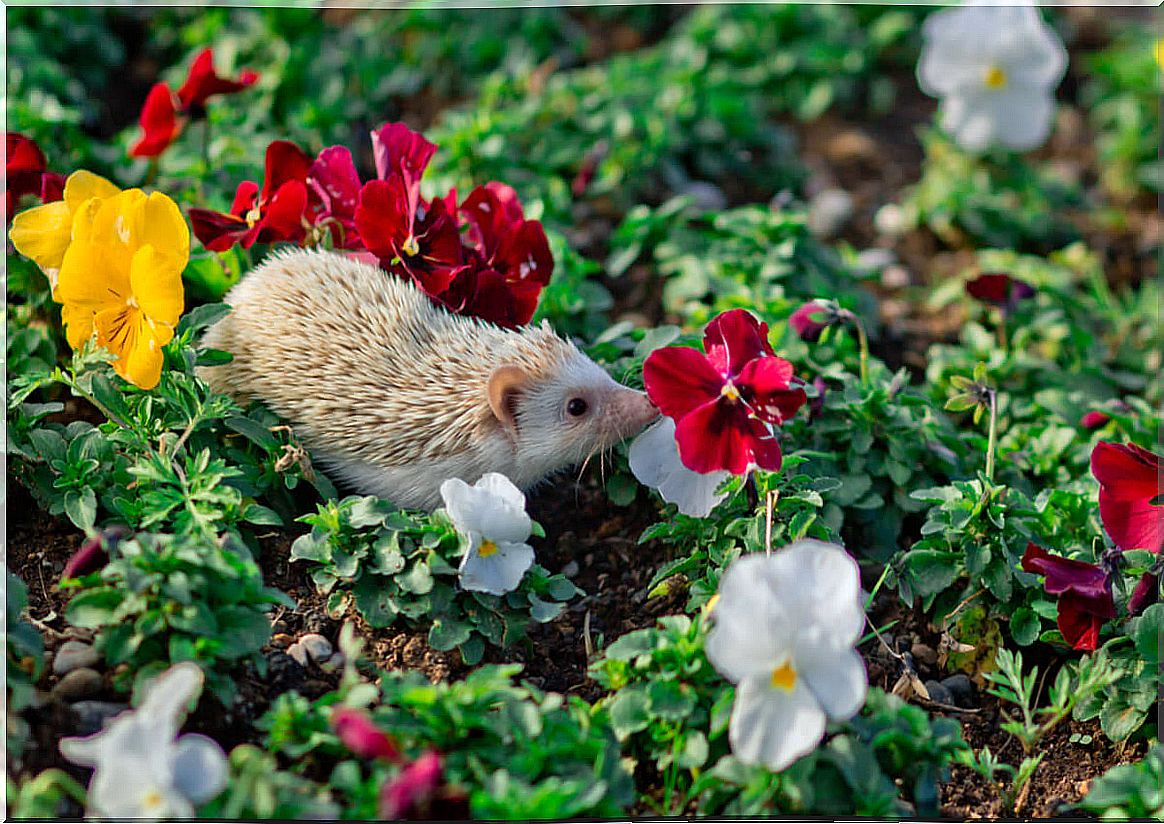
(141, 770)
(784, 629)
(491, 515)
(995, 69)
(654, 460)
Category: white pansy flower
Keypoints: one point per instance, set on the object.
(995, 69)
(491, 514)
(785, 626)
(654, 460)
(141, 769)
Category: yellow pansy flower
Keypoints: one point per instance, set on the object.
(43, 234)
(121, 279)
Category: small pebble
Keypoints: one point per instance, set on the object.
(829, 211)
(73, 655)
(92, 716)
(78, 684)
(924, 653)
(310, 647)
(890, 220)
(939, 693)
(962, 689)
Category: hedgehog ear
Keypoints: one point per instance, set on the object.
(505, 385)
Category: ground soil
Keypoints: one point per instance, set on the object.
(871, 158)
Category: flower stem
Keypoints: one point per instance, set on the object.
(992, 437)
(862, 348)
(206, 142)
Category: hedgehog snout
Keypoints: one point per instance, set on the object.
(632, 411)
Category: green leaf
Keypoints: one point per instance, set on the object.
(1119, 719)
(93, 609)
(1149, 633)
(932, 570)
(621, 490)
(544, 611)
(374, 601)
(632, 645)
(81, 507)
(694, 752)
(671, 700)
(262, 516)
(252, 430)
(445, 633)
(629, 712)
(1024, 626)
(418, 580)
(242, 630)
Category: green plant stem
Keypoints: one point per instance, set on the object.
(862, 349)
(206, 142)
(70, 382)
(992, 437)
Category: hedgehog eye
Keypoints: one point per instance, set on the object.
(576, 407)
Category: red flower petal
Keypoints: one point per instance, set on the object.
(52, 187)
(336, 184)
(283, 216)
(23, 155)
(246, 197)
(1078, 622)
(734, 338)
(218, 231)
(999, 289)
(159, 123)
(678, 379)
(1129, 478)
(399, 149)
(764, 386)
(382, 217)
(810, 321)
(1066, 574)
(1145, 594)
(720, 435)
(284, 162)
(202, 82)
(1094, 419)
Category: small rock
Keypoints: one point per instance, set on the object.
(705, 196)
(570, 569)
(924, 653)
(78, 684)
(92, 716)
(73, 655)
(962, 689)
(829, 211)
(890, 220)
(310, 647)
(939, 693)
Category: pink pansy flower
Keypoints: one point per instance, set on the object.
(726, 400)
(1084, 590)
(414, 788)
(360, 734)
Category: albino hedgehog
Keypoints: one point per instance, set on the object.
(392, 394)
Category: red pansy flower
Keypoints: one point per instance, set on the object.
(360, 734)
(726, 400)
(414, 788)
(275, 213)
(203, 82)
(162, 115)
(1084, 590)
(1129, 481)
(1000, 290)
(1094, 419)
(335, 184)
(26, 173)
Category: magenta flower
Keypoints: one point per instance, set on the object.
(1084, 590)
(811, 319)
(726, 400)
(413, 788)
(360, 734)
(94, 553)
(1094, 419)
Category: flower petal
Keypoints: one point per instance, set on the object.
(83, 185)
(200, 768)
(654, 460)
(734, 338)
(764, 385)
(720, 435)
(159, 123)
(157, 285)
(42, 234)
(772, 726)
(752, 632)
(820, 583)
(836, 677)
(678, 379)
(498, 574)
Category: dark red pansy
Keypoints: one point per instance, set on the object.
(203, 82)
(411, 791)
(1129, 488)
(727, 400)
(336, 185)
(398, 149)
(159, 123)
(274, 213)
(1000, 290)
(1146, 593)
(25, 173)
(1084, 590)
(94, 553)
(810, 321)
(816, 405)
(359, 733)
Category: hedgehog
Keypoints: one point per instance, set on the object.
(392, 394)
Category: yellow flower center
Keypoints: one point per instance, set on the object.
(411, 247)
(487, 548)
(995, 78)
(131, 302)
(152, 800)
(253, 217)
(730, 392)
(784, 677)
